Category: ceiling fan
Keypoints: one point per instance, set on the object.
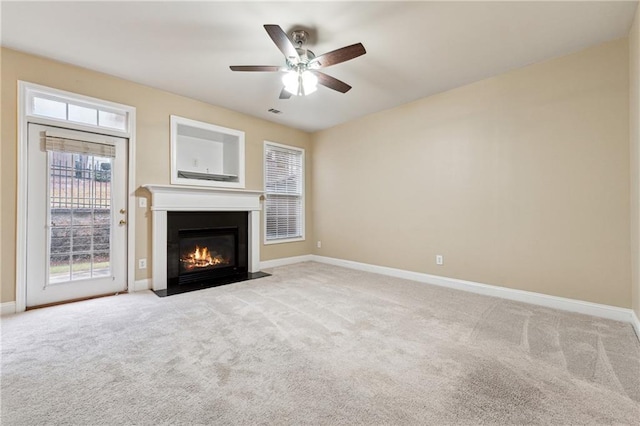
(301, 71)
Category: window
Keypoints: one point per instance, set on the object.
(60, 108)
(284, 191)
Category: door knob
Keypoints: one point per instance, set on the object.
(123, 222)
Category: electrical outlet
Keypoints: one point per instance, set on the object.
(439, 259)
(142, 263)
(319, 244)
(142, 202)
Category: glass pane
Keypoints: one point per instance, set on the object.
(283, 171)
(102, 189)
(101, 218)
(80, 211)
(60, 240)
(83, 115)
(112, 120)
(101, 264)
(59, 269)
(53, 107)
(49, 108)
(81, 266)
(81, 242)
(284, 217)
(101, 238)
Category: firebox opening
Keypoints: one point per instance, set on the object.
(207, 253)
(203, 251)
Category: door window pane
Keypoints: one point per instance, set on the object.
(80, 211)
(101, 264)
(59, 268)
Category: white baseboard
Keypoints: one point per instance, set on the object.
(7, 308)
(562, 303)
(285, 261)
(572, 305)
(635, 322)
(141, 285)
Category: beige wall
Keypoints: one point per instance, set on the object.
(634, 135)
(521, 180)
(153, 108)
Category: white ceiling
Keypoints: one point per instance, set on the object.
(414, 49)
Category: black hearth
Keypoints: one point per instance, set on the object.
(206, 249)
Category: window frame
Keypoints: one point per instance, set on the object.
(32, 91)
(302, 194)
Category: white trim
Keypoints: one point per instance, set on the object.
(131, 205)
(283, 261)
(254, 240)
(21, 222)
(63, 124)
(572, 305)
(21, 206)
(141, 285)
(200, 198)
(303, 196)
(284, 240)
(635, 322)
(7, 308)
(555, 302)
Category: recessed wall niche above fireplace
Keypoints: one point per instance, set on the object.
(203, 237)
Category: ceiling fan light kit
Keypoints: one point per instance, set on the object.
(300, 83)
(302, 76)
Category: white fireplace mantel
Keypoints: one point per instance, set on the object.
(165, 198)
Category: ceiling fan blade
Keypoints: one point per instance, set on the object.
(284, 94)
(332, 82)
(268, 68)
(281, 40)
(340, 55)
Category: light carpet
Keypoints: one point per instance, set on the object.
(316, 344)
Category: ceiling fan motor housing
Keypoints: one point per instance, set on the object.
(299, 37)
(305, 57)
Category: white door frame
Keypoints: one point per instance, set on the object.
(24, 118)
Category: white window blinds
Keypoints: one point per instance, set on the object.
(284, 189)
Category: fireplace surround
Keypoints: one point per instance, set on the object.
(178, 201)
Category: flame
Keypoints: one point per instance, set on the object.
(201, 258)
(202, 254)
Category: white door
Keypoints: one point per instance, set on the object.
(76, 212)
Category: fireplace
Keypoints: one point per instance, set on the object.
(206, 248)
(180, 203)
